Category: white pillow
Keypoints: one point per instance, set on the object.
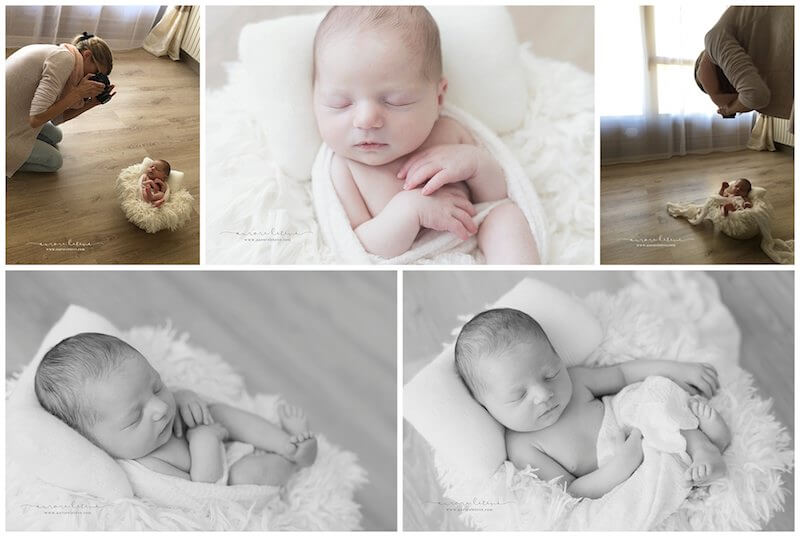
(459, 429)
(45, 447)
(480, 55)
(175, 177)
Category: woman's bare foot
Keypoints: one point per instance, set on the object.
(711, 423)
(306, 452)
(293, 419)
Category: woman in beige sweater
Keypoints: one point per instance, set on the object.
(47, 85)
(748, 62)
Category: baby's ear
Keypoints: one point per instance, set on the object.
(441, 91)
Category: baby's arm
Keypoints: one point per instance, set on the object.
(723, 187)
(205, 451)
(247, 427)
(693, 377)
(592, 485)
(388, 234)
(392, 231)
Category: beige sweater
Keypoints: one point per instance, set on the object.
(35, 77)
(754, 46)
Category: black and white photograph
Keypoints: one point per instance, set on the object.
(191, 400)
(400, 135)
(598, 400)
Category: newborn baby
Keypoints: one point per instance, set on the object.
(398, 166)
(552, 414)
(155, 189)
(738, 189)
(108, 392)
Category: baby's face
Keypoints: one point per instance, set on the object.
(372, 102)
(157, 170)
(527, 388)
(738, 188)
(135, 410)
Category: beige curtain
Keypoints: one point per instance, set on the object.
(167, 35)
(762, 136)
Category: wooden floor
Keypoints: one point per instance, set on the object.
(155, 113)
(762, 303)
(325, 340)
(634, 197)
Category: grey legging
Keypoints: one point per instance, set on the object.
(45, 156)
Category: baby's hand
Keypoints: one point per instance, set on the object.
(631, 451)
(440, 165)
(696, 378)
(192, 411)
(447, 209)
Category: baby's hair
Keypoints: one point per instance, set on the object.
(166, 165)
(415, 23)
(64, 370)
(490, 334)
(100, 50)
(725, 85)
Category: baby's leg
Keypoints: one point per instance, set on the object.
(707, 462)
(262, 469)
(711, 423)
(505, 237)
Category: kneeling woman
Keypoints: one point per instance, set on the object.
(47, 85)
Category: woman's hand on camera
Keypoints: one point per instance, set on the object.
(88, 88)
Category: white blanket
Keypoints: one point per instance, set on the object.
(431, 246)
(744, 223)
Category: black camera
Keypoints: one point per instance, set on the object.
(103, 79)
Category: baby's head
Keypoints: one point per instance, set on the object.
(108, 392)
(740, 187)
(378, 83)
(158, 169)
(511, 368)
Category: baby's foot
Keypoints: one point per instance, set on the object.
(306, 452)
(707, 466)
(711, 423)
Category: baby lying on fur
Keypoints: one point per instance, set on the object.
(552, 414)
(399, 167)
(155, 189)
(738, 190)
(109, 393)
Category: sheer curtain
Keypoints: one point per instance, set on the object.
(649, 104)
(123, 27)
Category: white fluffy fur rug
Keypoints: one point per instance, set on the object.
(672, 316)
(318, 498)
(172, 215)
(248, 192)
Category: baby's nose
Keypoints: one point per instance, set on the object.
(541, 394)
(368, 116)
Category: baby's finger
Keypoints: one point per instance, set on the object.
(186, 414)
(704, 388)
(465, 205)
(177, 425)
(414, 159)
(712, 383)
(197, 412)
(455, 227)
(438, 180)
(465, 220)
(208, 419)
(419, 174)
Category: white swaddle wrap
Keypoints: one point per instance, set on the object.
(431, 246)
(744, 223)
(657, 407)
